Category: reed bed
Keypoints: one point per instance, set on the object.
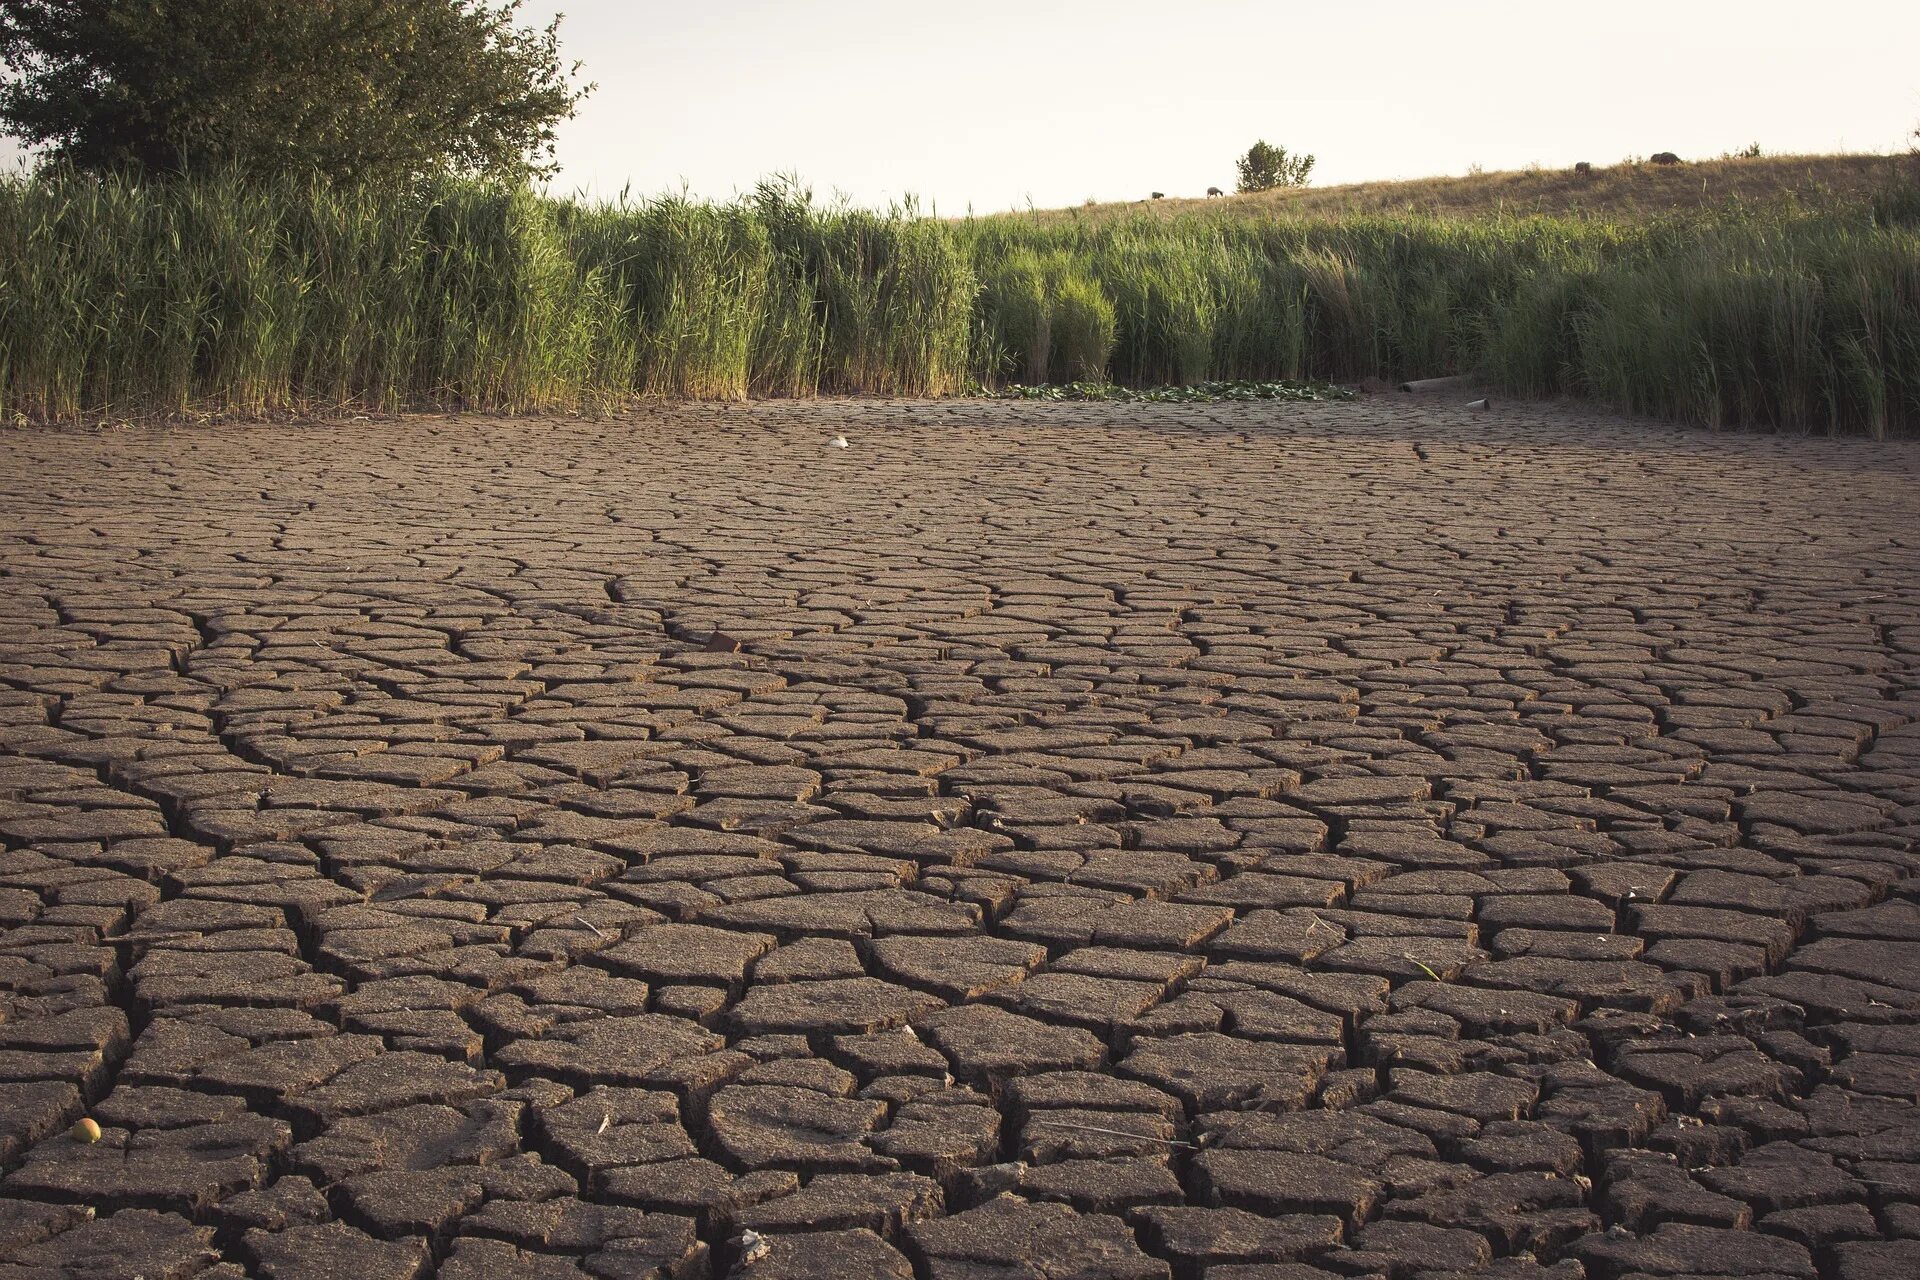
(213, 296)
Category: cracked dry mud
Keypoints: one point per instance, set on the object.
(1035, 843)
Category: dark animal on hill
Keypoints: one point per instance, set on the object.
(1663, 157)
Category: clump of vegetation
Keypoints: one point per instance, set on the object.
(226, 294)
(223, 295)
(1897, 202)
(1045, 315)
(354, 89)
(1198, 393)
(1265, 168)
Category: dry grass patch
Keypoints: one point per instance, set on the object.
(1614, 191)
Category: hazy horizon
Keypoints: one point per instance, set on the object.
(1056, 101)
(1052, 102)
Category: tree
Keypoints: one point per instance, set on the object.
(382, 90)
(1264, 167)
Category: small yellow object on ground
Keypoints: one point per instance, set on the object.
(85, 1129)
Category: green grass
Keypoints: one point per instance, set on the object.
(1192, 393)
(119, 298)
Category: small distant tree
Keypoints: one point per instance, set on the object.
(1265, 167)
(359, 89)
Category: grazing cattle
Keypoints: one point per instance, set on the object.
(1584, 166)
(1663, 157)
(1159, 195)
(1214, 191)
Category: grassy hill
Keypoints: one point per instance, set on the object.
(1613, 191)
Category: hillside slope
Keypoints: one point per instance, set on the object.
(1621, 190)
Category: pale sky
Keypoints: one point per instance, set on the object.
(994, 104)
(997, 102)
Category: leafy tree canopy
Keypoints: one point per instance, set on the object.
(1265, 167)
(359, 89)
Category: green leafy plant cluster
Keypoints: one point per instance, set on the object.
(367, 90)
(1198, 393)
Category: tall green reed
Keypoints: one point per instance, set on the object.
(212, 295)
(1046, 319)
